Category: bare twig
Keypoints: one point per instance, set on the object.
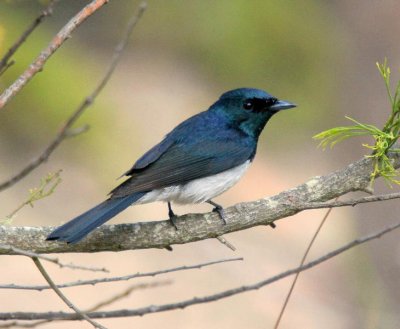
(58, 40)
(31, 254)
(127, 292)
(5, 68)
(328, 212)
(121, 278)
(47, 277)
(5, 60)
(352, 202)
(106, 302)
(64, 132)
(197, 300)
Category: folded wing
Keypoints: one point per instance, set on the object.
(180, 163)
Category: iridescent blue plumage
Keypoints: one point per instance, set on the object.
(198, 160)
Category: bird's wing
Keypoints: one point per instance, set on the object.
(181, 163)
(150, 156)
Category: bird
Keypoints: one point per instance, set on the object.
(198, 160)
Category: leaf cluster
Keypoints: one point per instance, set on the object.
(384, 138)
(46, 187)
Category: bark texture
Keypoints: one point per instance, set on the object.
(194, 227)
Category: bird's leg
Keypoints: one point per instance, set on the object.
(218, 209)
(172, 216)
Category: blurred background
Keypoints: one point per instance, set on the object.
(182, 56)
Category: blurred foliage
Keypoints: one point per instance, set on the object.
(273, 45)
(34, 116)
(1, 37)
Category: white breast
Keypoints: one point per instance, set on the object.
(198, 190)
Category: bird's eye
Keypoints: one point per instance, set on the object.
(248, 105)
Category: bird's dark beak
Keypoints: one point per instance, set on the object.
(282, 105)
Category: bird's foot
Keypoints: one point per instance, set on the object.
(172, 216)
(218, 209)
(273, 225)
(221, 213)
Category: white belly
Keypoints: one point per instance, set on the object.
(198, 190)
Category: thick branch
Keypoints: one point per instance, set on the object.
(195, 227)
(56, 43)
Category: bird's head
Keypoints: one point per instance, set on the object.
(249, 109)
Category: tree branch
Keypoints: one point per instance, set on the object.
(120, 278)
(196, 300)
(303, 260)
(47, 277)
(4, 62)
(58, 40)
(195, 227)
(127, 292)
(113, 299)
(56, 261)
(66, 128)
(352, 202)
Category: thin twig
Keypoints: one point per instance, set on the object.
(64, 132)
(121, 278)
(197, 300)
(62, 296)
(127, 292)
(47, 187)
(31, 254)
(351, 202)
(106, 302)
(58, 40)
(328, 212)
(4, 62)
(5, 68)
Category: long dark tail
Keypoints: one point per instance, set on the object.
(80, 226)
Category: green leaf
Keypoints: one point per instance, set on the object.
(384, 138)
